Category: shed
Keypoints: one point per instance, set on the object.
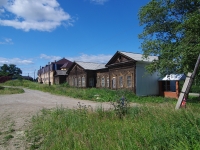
(169, 85)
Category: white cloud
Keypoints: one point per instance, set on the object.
(99, 2)
(6, 41)
(50, 58)
(42, 15)
(101, 58)
(3, 2)
(16, 61)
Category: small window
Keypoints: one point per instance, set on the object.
(108, 82)
(102, 82)
(83, 81)
(75, 81)
(129, 81)
(113, 82)
(98, 81)
(121, 81)
(79, 81)
(167, 86)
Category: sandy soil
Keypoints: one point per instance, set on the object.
(17, 110)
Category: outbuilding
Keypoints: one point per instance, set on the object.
(169, 85)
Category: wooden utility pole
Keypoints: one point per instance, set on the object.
(187, 85)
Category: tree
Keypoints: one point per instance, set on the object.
(10, 69)
(171, 32)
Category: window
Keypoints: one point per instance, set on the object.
(79, 81)
(129, 81)
(75, 81)
(102, 82)
(113, 82)
(83, 81)
(167, 86)
(98, 81)
(121, 81)
(108, 82)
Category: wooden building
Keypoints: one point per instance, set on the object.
(126, 70)
(83, 74)
(54, 72)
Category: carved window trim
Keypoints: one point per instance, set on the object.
(121, 81)
(102, 82)
(79, 81)
(129, 81)
(108, 82)
(83, 81)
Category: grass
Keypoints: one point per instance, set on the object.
(94, 94)
(153, 125)
(9, 90)
(142, 128)
(8, 137)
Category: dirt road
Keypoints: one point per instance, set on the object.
(17, 110)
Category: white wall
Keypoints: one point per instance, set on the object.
(146, 84)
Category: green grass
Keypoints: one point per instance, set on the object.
(9, 90)
(94, 94)
(152, 127)
(8, 137)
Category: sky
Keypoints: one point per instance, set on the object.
(35, 32)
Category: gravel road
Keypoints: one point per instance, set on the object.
(17, 110)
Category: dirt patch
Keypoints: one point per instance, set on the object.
(17, 110)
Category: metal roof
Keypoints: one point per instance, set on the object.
(173, 77)
(139, 57)
(90, 65)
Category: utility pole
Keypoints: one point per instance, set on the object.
(49, 74)
(187, 85)
(34, 75)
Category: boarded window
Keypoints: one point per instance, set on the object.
(120, 81)
(129, 81)
(108, 82)
(79, 81)
(102, 82)
(83, 81)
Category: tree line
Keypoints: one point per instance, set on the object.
(11, 70)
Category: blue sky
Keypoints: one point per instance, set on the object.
(35, 32)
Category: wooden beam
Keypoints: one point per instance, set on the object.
(187, 84)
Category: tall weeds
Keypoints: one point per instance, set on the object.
(143, 128)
